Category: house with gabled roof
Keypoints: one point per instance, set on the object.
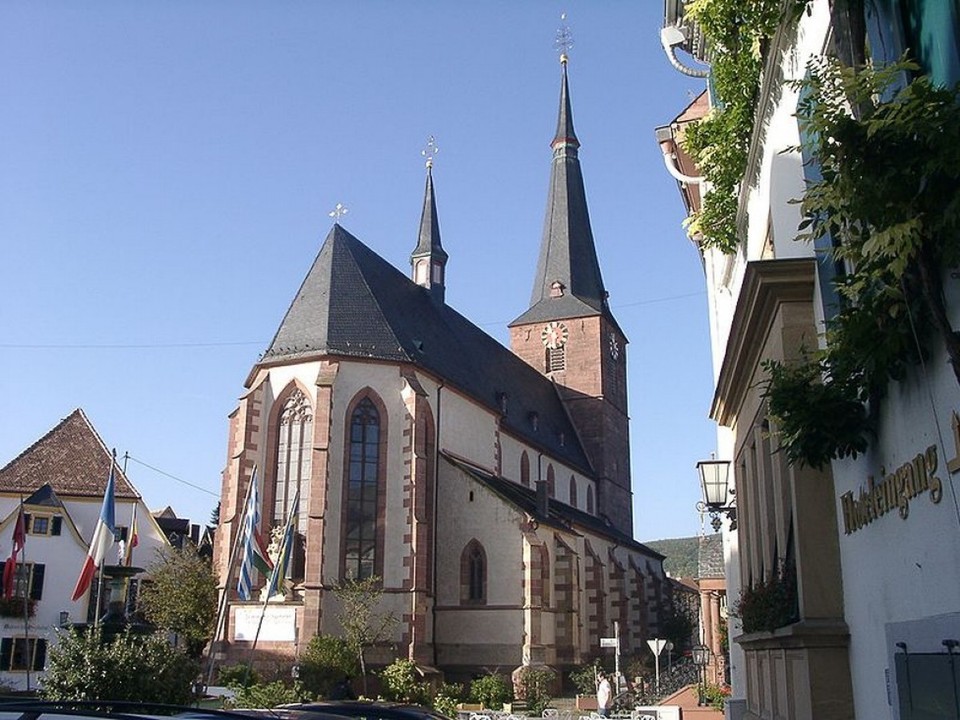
(61, 480)
(488, 488)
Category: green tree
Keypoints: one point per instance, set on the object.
(402, 682)
(536, 688)
(491, 691)
(363, 625)
(446, 699)
(325, 661)
(267, 695)
(182, 597)
(584, 678)
(130, 667)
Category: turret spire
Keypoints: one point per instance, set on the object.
(429, 260)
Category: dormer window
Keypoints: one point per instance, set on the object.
(556, 289)
(535, 421)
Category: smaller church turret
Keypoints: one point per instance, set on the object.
(428, 260)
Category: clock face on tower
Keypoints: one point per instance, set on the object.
(554, 335)
(614, 347)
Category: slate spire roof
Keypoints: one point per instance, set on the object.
(354, 304)
(568, 282)
(71, 459)
(429, 239)
(429, 251)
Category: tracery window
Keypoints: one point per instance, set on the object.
(294, 435)
(362, 491)
(292, 472)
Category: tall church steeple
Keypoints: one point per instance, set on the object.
(569, 333)
(568, 282)
(428, 260)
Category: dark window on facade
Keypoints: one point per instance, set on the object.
(590, 500)
(573, 491)
(524, 469)
(40, 525)
(29, 581)
(551, 482)
(360, 545)
(473, 574)
(22, 654)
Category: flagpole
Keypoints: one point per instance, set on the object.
(96, 612)
(26, 595)
(231, 566)
(279, 569)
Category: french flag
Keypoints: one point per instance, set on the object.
(103, 537)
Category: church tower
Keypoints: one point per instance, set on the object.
(569, 334)
(428, 261)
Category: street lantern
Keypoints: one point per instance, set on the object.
(718, 496)
(701, 658)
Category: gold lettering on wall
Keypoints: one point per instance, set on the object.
(954, 465)
(895, 490)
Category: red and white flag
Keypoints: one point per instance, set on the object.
(10, 567)
(133, 539)
(103, 537)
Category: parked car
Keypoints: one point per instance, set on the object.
(30, 709)
(363, 710)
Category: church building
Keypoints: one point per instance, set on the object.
(487, 488)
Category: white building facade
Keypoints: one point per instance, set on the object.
(873, 541)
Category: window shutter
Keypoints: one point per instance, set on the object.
(40, 654)
(56, 525)
(36, 587)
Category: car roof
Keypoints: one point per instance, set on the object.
(366, 709)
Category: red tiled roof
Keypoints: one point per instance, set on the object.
(71, 458)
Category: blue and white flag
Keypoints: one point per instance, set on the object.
(254, 554)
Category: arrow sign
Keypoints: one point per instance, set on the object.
(608, 642)
(657, 645)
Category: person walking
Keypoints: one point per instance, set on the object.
(603, 695)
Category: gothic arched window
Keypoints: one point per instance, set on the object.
(473, 574)
(292, 472)
(590, 508)
(551, 482)
(294, 440)
(524, 469)
(573, 491)
(362, 493)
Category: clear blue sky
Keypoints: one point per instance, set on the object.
(166, 170)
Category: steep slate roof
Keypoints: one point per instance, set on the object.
(559, 515)
(353, 303)
(568, 254)
(429, 237)
(71, 458)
